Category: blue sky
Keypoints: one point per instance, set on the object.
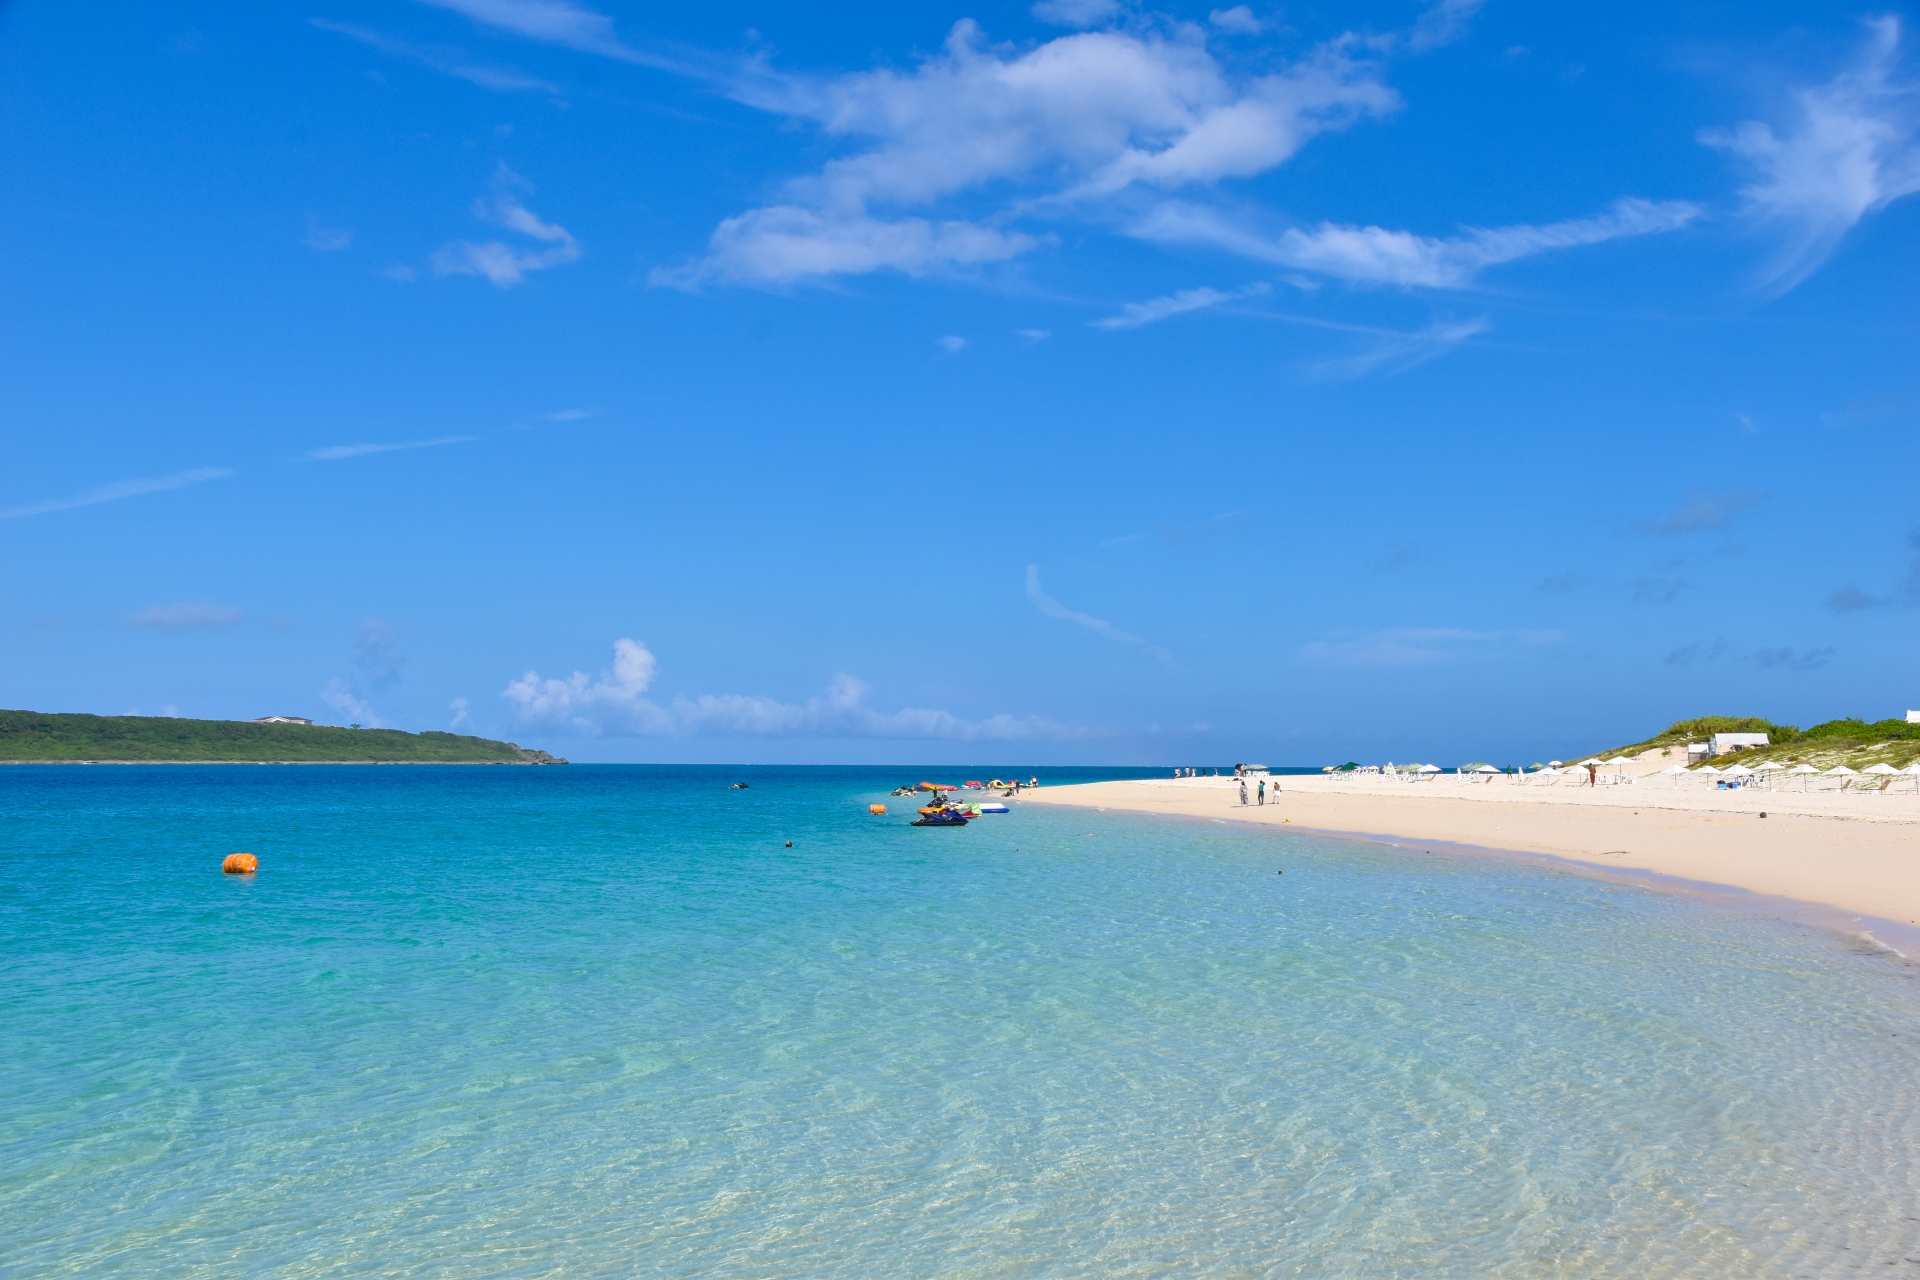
(1074, 382)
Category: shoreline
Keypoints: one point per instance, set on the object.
(1855, 874)
(462, 763)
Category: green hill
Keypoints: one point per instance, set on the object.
(39, 736)
(1852, 742)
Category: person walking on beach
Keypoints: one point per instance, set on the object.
(1243, 791)
(1262, 789)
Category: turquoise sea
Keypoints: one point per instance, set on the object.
(601, 1021)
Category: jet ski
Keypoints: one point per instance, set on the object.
(940, 818)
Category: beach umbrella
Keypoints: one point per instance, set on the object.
(1881, 768)
(1707, 768)
(1674, 771)
(1553, 764)
(1765, 765)
(1486, 768)
(1803, 771)
(1619, 760)
(1740, 771)
(1429, 768)
(1584, 763)
(1841, 772)
(1914, 769)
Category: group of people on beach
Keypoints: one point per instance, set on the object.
(1260, 790)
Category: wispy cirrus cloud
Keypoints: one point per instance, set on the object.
(1135, 314)
(1853, 150)
(558, 22)
(505, 265)
(336, 452)
(453, 62)
(1052, 608)
(185, 616)
(1397, 352)
(1376, 255)
(615, 704)
(118, 490)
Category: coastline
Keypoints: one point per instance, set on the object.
(461, 763)
(1811, 859)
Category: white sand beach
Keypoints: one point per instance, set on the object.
(1856, 852)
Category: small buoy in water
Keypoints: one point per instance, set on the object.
(240, 864)
(1279, 873)
(789, 844)
(876, 808)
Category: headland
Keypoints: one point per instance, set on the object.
(33, 737)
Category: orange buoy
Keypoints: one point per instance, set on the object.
(876, 808)
(240, 864)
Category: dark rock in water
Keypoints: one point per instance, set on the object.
(739, 786)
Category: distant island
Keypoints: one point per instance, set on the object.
(42, 738)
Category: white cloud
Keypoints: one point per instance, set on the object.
(1420, 646)
(1397, 352)
(502, 264)
(616, 705)
(553, 21)
(335, 452)
(1076, 119)
(117, 490)
(1052, 608)
(785, 243)
(459, 707)
(952, 343)
(1034, 335)
(1239, 20)
(185, 617)
(1443, 22)
(451, 61)
(340, 696)
(1376, 255)
(1855, 149)
(1135, 314)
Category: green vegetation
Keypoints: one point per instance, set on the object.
(1852, 742)
(33, 735)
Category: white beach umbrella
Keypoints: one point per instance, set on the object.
(1674, 771)
(1486, 768)
(1430, 768)
(1553, 764)
(1841, 771)
(1804, 772)
(1914, 769)
(1584, 763)
(1708, 769)
(1739, 771)
(1620, 760)
(1765, 765)
(1881, 768)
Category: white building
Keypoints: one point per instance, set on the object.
(1913, 717)
(1725, 742)
(281, 720)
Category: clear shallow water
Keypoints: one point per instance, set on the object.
(600, 1021)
